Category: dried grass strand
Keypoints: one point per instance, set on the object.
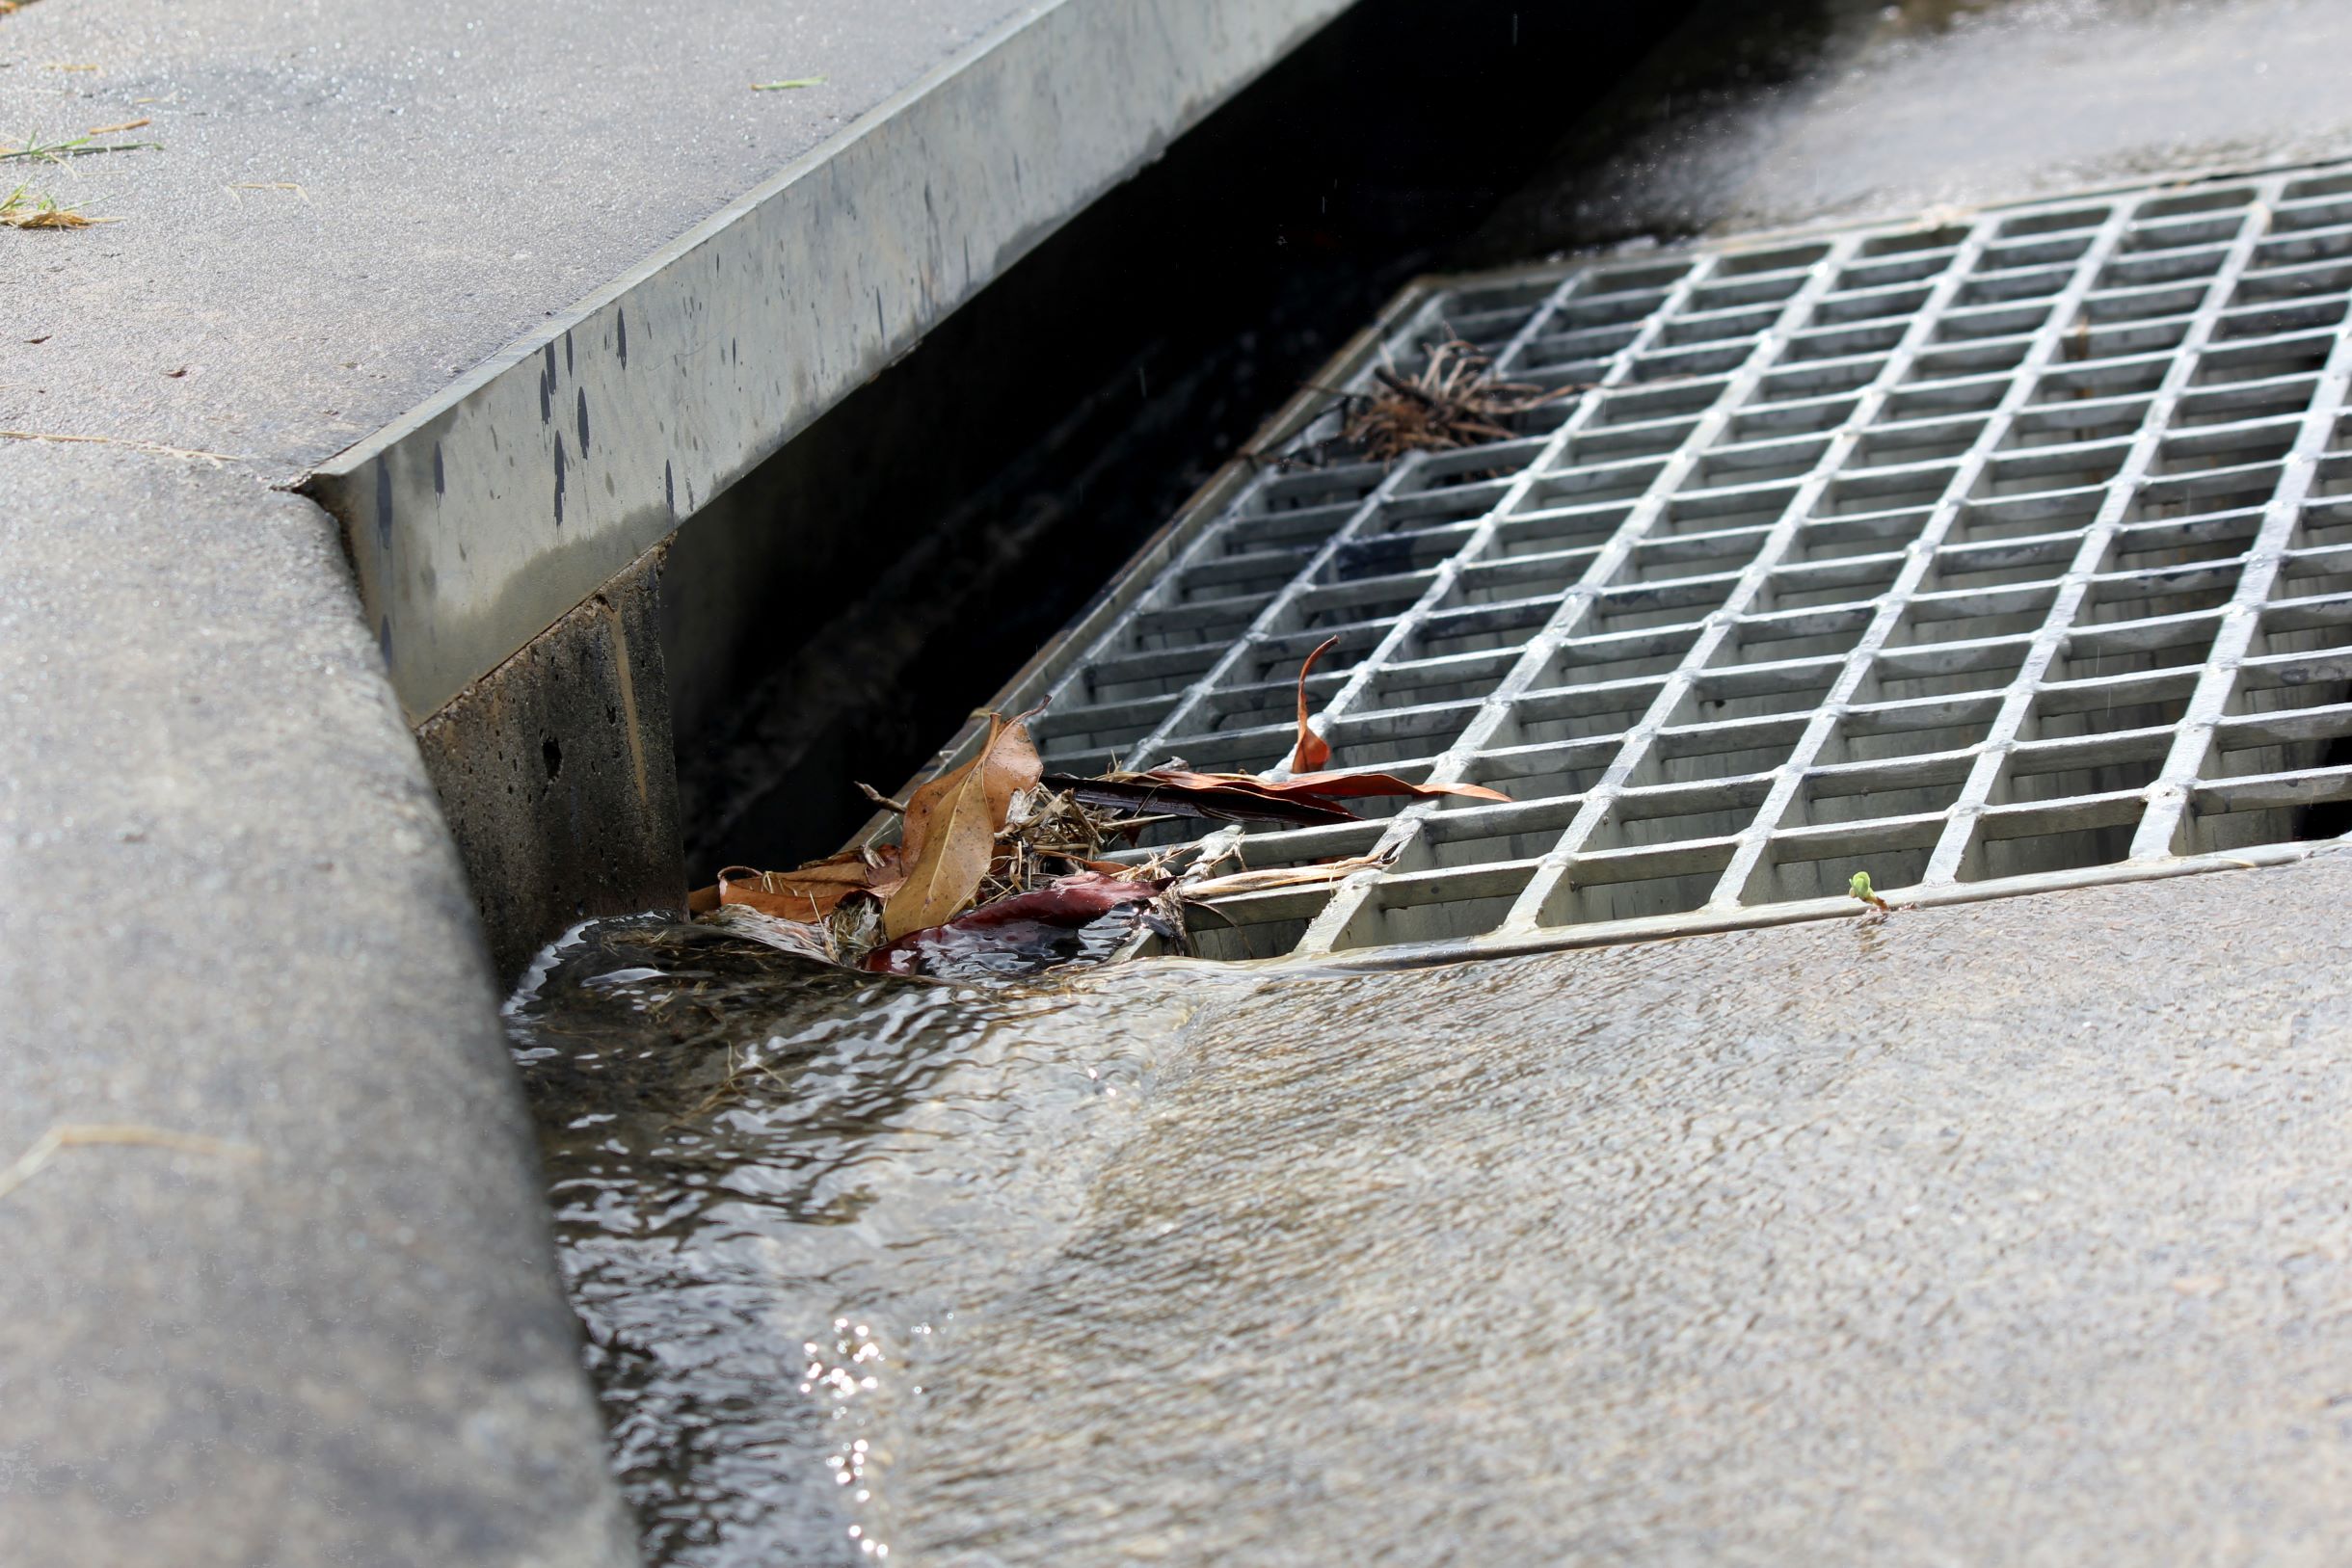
(83, 1134)
(216, 459)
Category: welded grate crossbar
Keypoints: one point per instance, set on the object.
(1972, 555)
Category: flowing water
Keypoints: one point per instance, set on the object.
(1833, 1242)
(1126, 1266)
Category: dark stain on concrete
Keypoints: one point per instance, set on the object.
(554, 772)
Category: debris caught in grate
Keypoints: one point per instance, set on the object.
(1978, 556)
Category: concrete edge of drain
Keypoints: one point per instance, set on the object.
(458, 573)
(1202, 509)
(1716, 923)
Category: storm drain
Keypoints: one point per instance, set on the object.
(1986, 556)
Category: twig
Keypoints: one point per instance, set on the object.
(1235, 926)
(81, 1134)
(1454, 402)
(880, 798)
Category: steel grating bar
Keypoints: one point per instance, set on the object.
(1985, 553)
(1959, 837)
(1265, 626)
(1627, 538)
(1549, 872)
(2171, 795)
(1921, 552)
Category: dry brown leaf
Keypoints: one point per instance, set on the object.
(808, 892)
(952, 826)
(1312, 751)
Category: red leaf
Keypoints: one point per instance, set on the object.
(1312, 751)
(1071, 900)
(1347, 786)
(1174, 794)
(1323, 790)
(1013, 932)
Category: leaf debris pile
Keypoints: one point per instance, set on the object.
(1454, 402)
(1002, 868)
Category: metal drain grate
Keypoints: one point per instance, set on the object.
(1984, 556)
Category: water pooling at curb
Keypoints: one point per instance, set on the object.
(775, 1184)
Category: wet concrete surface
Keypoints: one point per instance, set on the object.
(2019, 1231)
(1762, 116)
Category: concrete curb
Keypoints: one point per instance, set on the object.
(330, 1331)
(485, 515)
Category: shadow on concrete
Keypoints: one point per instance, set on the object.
(835, 615)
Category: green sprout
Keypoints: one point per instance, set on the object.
(1860, 888)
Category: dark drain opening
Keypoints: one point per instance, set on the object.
(831, 616)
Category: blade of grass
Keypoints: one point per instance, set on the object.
(83, 1134)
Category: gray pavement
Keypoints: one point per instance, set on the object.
(2017, 1232)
